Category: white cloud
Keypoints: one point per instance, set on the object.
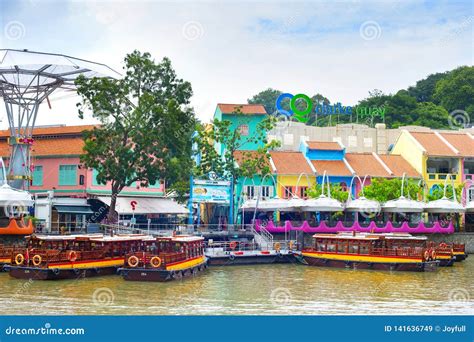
(246, 47)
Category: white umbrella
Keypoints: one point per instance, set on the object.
(14, 197)
(322, 203)
(403, 204)
(363, 204)
(444, 205)
(293, 204)
(470, 207)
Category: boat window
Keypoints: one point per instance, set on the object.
(353, 248)
(331, 247)
(342, 246)
(363, 248)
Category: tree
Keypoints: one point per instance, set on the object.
(437, 192)
(267, 98)
(336, 192)
(383, 190)
(424, 89)
(456, 91)
(430, 115)
(145, 125)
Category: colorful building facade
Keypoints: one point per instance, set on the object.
(436, 154)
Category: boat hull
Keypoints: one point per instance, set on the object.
(445, 262)
(250, 260)
(37, 273)
(161, 275)
(460, 257)
(314, 259)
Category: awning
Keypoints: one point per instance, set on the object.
(145, 205)
(74, 209)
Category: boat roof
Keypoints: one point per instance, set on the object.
(370, 236)
(182, 238)
(92, 237)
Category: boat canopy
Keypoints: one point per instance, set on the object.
(363, 204)
(322, 203)
(403, 204)
(444, 205)
(14, 197)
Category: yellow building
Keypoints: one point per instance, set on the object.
(436, 154)
(294, 173)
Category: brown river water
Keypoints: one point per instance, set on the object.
(251, 290)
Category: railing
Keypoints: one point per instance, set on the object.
(145, 258)
(239, 246)
(442, 176)
(48, 256)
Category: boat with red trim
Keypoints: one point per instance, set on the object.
(165, 258)
(71, 256)
(394, 252)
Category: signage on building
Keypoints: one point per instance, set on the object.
(211, 191)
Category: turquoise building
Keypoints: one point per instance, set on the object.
(245, 118)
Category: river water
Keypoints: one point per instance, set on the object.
(264, 289)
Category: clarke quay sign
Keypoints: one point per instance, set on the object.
(323, 108)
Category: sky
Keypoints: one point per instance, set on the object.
(231, 50)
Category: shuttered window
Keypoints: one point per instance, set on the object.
(67, 174)
(37, 176)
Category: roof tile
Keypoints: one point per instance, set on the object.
(290, 163)
(244, 108)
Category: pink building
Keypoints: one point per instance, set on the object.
(77, 195)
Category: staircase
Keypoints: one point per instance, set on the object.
(263, 238)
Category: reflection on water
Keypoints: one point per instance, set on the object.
(263, 289)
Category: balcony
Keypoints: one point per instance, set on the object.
(440, 176)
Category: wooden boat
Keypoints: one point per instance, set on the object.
(444, 253)
(6, 252)
(394, 252)
(165, 258)
(71, 256)
(459, 251)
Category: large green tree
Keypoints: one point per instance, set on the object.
(145, 127)
(383, 190)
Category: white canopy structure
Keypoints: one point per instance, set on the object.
(14, 197)
(403, 205)
(323, 203)
(26, 79)
(444, 205)
(362, 205)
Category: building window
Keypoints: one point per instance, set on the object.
(81, 180)
(267, 191)
(249, 191)
(94, 178)
(302, 192)
(244, 130)
(67, 174)
(471, 193)
(37, 176)
(287, 191)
